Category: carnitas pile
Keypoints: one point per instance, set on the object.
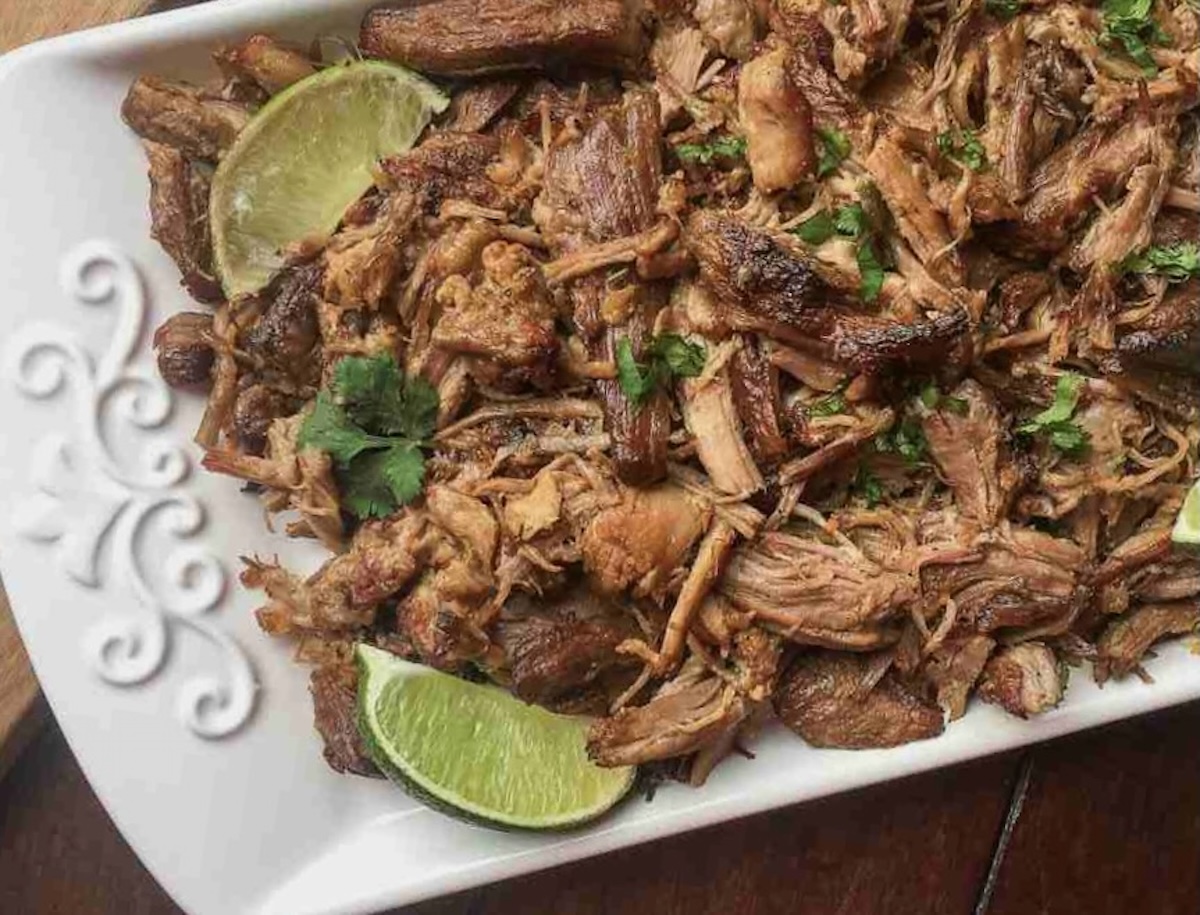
(835, 361)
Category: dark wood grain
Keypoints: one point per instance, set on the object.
(1111, 823)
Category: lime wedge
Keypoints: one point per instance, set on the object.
(478, 753)
(305, 157)
(1187, 525)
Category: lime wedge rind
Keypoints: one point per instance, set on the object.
(477, 753)
(306, 157)
(1187, 524)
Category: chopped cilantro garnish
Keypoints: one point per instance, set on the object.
(727, 147)
(1176, 262)
(934, 399)
(834, 148)
(906, 438)
(816, 230)
(870, 270)
(1003, 9)
(1055, 423)
(1129, 26)
(963, 146)
(373, 422)
(668, 356)
(832, 405)
(868, 486)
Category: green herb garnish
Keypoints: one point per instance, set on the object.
(816, 230)
(1003, 9)
(834, 148)
(934, 399)
(668, 356)
(963, 146)
(727, 147)
(1055, 423)
(906, 438)
(868, 486)
(1129, 25)
(373, 423)
(832, 405)
(870, 270)
(1178, 262)
(850, 220)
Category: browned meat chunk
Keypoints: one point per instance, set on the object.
(600, 185)
(730, 24)
(562, 652)
(476, 106)
(852, 702)
(334, 689)
(447, 166)
(184, 347)
(777, 121)
(1023, 579)
(642, 543)
(1023, 679)
(1169, 336)
(710, 416)
(804, 589)
(265, 62)
(693, 711)
(966, 439)
(464, 37)
(256, 408)
(364, 261)
(953, 668)
(179, 115)
(769, 286)
(504, 323)
(757, 399)
(1126, 640)
(287, 332)
(179, 218)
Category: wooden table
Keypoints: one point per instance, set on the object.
(1103, 822)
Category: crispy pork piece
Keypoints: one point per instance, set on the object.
(777, 121)
(176, 114)
(1022, 579)
(1128, 638)
(476, 106)
(730, 24)
(967, 440)
(255, 410)
(1169, 336)
(798, 585)
(852, 702)
(334, 689)
(953, 668)
(757, 400)
(695, 710)
(769, 286)
(504, 323)
(710, 416)
(561, 651)
(642, 542)
(286, 334)
(179, 218)
(833, 104)
(1024, 679)
(363, 262)
(183, 345)
(470, 37)
(448, 166)
(266, 62)
(603, 184)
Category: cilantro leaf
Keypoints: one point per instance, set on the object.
(868, 485)
(1003, 9)
(684, 358)
(372, 422)
(1129, 26)
(850, 220)
(1055, 424)
(905, 438)
(963, 146)
(727, 147)
(816, 230)
(668, 356)
(828, 406)
(1178, 262)
(870, 271)
(834, 148)
(933, 399)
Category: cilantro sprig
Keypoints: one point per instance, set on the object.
(963, 146)
(726, 147)
(1178, 262)
(833, 148)
(1128, 25)
(933, 399)
(849, 221)
(1055, 423)
(1003, 9)
(373, 422)
(906, 438)
(830, 405)
(869, 486)
(667, 356)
